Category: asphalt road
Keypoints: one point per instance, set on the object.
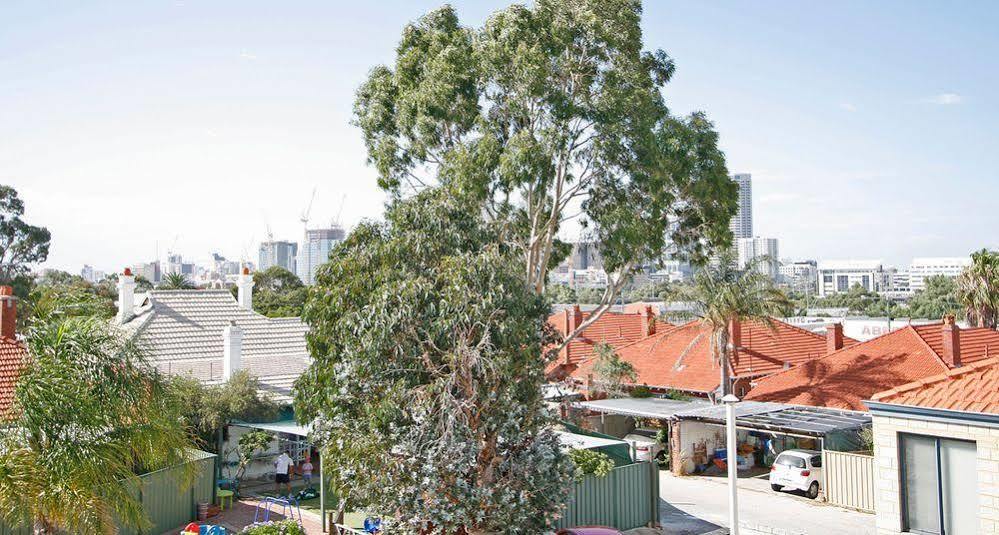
(699, 506)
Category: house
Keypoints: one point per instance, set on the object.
(936, 446)
(680, 358)
(636, 322)
(845, 378)
(209, 335)
(12, 353)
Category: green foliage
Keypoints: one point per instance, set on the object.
(640, 391)
(543, 109)
(206, 409)
(560, 293)
(425, 388)
(283, 527)
(937, 300)
(58, 295)
(591, 462)
(978, 289)
(89, 414)
(723, 295)
(176, 281)
(858, 300)
(610, 373)
(278, 293)
(247, 446)
(21, 244)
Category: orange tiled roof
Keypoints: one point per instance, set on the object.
(846, 378)
(12, 356)
(971, 388)
(614, 328)
(680, 358)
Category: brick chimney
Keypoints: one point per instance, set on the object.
(951, 342)
(8, 312)
(571, 320)
(649, 321)
(834, 337)
(126, 296)
(232, 350)
(244, 287)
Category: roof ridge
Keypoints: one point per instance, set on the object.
(927, 344)
(938, 378)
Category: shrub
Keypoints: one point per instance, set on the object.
(641, 391)
(283, 527)
(591, 462)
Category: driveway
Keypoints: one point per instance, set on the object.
(699, 506)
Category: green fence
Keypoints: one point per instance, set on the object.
(167, 501)
(626, 498)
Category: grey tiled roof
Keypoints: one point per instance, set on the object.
(182, 333)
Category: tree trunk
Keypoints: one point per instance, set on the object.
(725, 385)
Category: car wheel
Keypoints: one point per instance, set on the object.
(776, 487)
(813, 490)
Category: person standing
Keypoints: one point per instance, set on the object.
(282, 465)
(307, 472)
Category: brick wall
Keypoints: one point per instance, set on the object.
(888, 503)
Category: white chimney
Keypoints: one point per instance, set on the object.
(126, 296)
(232, 349)
(245, 289)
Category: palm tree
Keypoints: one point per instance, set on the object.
(89, 414)
(978, 289)
(176, 281)
(723, 295)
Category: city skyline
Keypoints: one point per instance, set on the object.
(201, 125)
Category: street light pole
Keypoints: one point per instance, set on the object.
(733, 476)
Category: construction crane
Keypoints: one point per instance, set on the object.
(336, 221)
(308, 209)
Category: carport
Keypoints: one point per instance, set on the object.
(696, 426)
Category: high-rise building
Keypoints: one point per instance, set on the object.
(315, 251)
(88, 273)
(278, 253)
(836, 276)
(742, 222)
(922, 268)
(149, 271)
(751, 249)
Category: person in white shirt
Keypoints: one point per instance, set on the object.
(282, 466)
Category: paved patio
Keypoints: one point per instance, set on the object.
(241, 514)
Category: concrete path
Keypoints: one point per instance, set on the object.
(699, 506)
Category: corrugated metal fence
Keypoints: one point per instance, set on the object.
(849, 479)
(167, 501)
(626, 498)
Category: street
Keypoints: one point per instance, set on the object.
(699, 506)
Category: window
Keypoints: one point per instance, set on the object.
(817, 461)
(933, 497)
(791, 460)
(842, 283)
(827, 279)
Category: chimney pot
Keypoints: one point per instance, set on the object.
(127, 272)
(951, 342)
(244, 293)
(8, 312)
(834, 337)
(126, 296)
(232, 350)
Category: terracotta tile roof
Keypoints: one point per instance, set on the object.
(12, 357)
(846, 378)
(970, 388)
(680, 358)
(614, 328)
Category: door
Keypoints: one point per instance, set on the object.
(939, 481)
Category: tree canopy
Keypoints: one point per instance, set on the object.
(937, 300)
(278, 293)
(426, 381)
(978, 289)
(206, 409)
(545, 114)
(21, 244)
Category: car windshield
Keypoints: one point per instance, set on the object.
(790, 460)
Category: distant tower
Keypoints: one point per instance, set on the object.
(315, 251)
(742, 222)
(278, 253)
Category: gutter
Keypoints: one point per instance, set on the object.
(933, 414)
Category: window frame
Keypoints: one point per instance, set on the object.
(902, 469)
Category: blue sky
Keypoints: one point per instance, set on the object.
(870, 128)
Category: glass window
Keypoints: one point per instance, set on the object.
(817, 461)
(842, 283)
(791, 460)
(933, 470)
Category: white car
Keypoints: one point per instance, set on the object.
(645, 444)
(797, 469)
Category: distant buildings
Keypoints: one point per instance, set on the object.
(91, 275)
(921, 268)
(584, 268)
(315, 251)
(751, 249)
(149, 270)
(278, 253)
(742, 223)
(799, 277)
(835, 276)
(175, 265)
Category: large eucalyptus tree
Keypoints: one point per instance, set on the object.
(545, 114)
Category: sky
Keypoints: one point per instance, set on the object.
(131, 128)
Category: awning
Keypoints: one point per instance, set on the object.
(753, 415)
(285, 426)
(576, 441)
